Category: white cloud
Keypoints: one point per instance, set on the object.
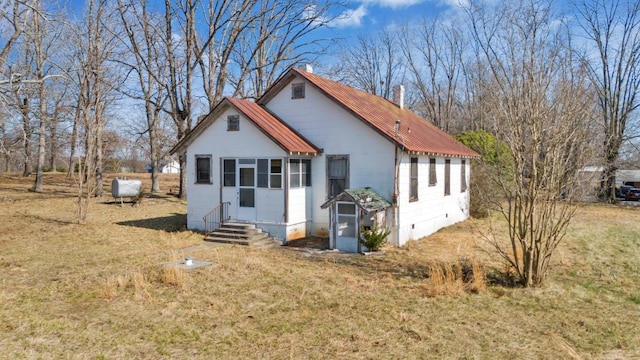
(456, 4)
(350, 18)
(394, 4)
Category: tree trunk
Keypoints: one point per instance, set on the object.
(182, 194)
(42, 133)
(26, 128)
(99, 161)
(42, 94)
(74, 140)
(5, 142)
(608, 180)
(155, 149)
(53, 146)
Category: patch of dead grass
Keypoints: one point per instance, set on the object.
(455, 279)
(99, 290)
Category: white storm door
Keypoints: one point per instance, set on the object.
(346, 227)
(246, 189)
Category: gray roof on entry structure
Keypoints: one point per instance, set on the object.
(366, 199)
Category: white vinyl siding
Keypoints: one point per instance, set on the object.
(434, 210)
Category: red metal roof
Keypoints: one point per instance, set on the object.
(415, 134)
(287, 138)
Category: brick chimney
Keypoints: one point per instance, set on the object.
(398, 96)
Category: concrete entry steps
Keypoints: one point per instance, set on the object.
(243, 234)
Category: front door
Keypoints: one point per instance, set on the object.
(346, 226)
(246, 189)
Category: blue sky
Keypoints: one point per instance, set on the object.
(364, 16)
(361, 16)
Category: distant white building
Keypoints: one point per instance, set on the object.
(592, 175)
(170, 167)
(166, 167)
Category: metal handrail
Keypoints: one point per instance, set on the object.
(214, 218)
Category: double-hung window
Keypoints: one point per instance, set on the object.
(270, 173)
(447, 177)
(203, 169)
(433, 178)
(337, 174)
(463, 176)
(229, 172)
(413, 186)
(299, 173)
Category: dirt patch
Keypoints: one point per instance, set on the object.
(311, 242)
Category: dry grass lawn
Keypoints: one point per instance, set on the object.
(98, 290)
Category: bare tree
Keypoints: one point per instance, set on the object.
(4, 143)
(210, 53)
(613, 29)
(433, 52)
(26, 134)
(60, 96)
(277, 35)
(541, 110)
(246, 46)
(42, 44)
(144, 32)
(374, 63)
(96, 80)
(11, 12)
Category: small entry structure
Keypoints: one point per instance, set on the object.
(350, 212)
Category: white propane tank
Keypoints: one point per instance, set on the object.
(125, 188)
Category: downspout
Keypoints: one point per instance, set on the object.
(285, 216)
(358, 227)
(394, 199)
(221, 172)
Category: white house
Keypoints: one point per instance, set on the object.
(172, 166)
(316, 157)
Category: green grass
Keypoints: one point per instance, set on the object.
(98, 291)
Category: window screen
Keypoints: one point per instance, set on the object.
(337, 174)
(413, 191)
(447, 177)
(203, 169)
(233, 122)
(229, 172)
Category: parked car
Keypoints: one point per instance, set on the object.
(633, 194)
(622, 190)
